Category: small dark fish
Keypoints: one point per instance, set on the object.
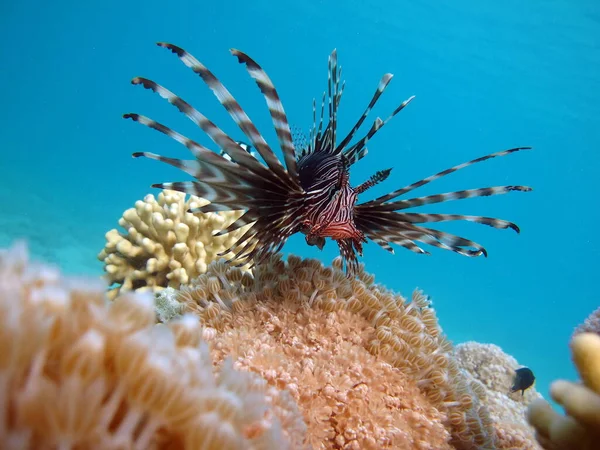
(523, 380)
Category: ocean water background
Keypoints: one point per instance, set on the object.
(486, 75)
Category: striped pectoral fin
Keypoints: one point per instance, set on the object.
(443, 173)
(278, 115)
(383, 244)
(440, 198)
(247, 218)
(232, 106)
(203, 172)
(215, 133)
(430, 218)
(212, 193)
(383, 235)
(199, 151)
(438, 238)
(450, 242)
(217, 207)
(216, 168)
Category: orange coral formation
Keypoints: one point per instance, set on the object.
(362, 349)
(79, 373)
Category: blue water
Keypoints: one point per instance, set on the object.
(486, 75)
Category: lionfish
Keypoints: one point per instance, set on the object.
(312, 193)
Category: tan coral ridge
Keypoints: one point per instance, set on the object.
(495, 370)
(164, 245)
(591, 324)
(368, 368)
(580, 428)
(79, 372)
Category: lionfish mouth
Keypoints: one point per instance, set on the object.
(310, 188)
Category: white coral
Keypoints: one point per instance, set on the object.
(495, 370)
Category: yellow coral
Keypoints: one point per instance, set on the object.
(580, 428)
(80, 372)
(163, 244)
(368, 368)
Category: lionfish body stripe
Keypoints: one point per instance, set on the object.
(310, 191)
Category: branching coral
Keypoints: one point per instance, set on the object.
(163, 244)
(494, 369)
(580, 428)
(79, 372)
(369, 368)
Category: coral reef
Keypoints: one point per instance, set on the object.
(590, 325)
(580, 428)
(368, 368)
(494, 369)
(291, 355)
(163, 244)
(79, 372)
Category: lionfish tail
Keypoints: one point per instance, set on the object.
(381, 221)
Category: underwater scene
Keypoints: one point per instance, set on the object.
(300, 225)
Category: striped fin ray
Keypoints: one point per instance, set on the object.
(233, 108)
(377, 125)
(440, 198)
(272, 229)
(431, 218)
(204, 172)
(395, 232)
(434, 241)
(383, 244)
(278, 115)
(258, 243)
(383, 239)
(409, 229)
(233, 199)
(215, 207)
(443, 173)
(234, 202)
(215, 133)
(213, 159)
(247, 218)
(313, 129)
(340, 91)
(383, 83)
(212, 193)
(348, 254)
(315, 135)
(354, 155)
(321, 117)
(333, 94)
